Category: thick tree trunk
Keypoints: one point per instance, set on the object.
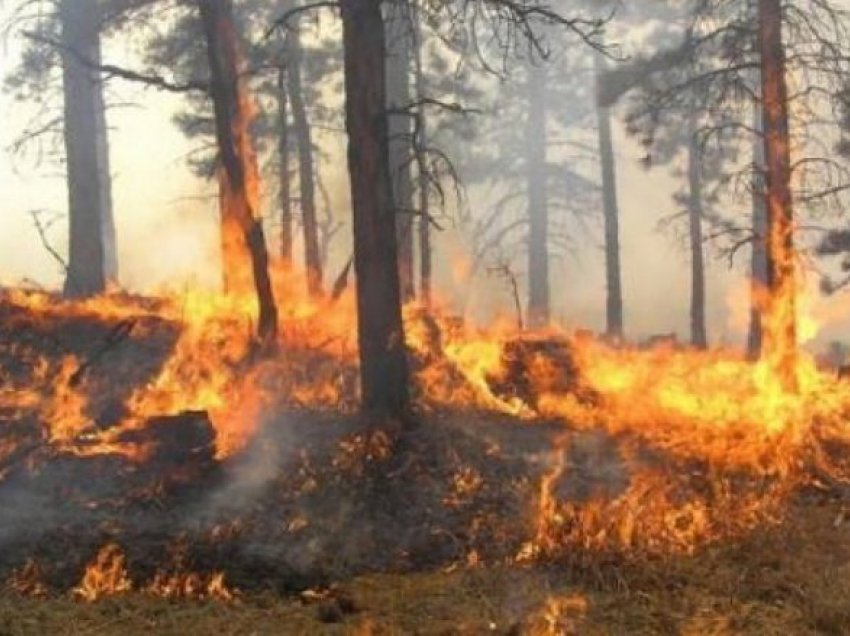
(284, 183)
(779, 319)
(110, 247)
(384, 371)
(758, 253)
(236, 274)
(239, 170)
(306, 176)
(699, 338)
(399, 39)
(425, 266)
(91, 252)
(538, 212)
(611, 211)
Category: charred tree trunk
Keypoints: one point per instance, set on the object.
(284, 182)
(91, 252)
(399, 38)
(306, 176)
(758, 253)
(240, 173)
(779, 319)
(538, 212)
(613, 279)
(699, 338)
(384, 371)
(425, 266)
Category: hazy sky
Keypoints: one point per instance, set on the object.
(166, 225)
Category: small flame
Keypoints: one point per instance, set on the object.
(191, 586)
(560, 616)
(105, 576)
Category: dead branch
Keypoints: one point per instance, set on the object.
(34, 133)
(42, 234)
(453, 107)
(504, 270)
(156, 81)
(341, 282)
(422, 214)
(285, 20)
(118, 334)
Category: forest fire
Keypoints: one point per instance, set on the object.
(657, 451)
(654, 451)
(686, 401)
(707, 444)
(254, 438)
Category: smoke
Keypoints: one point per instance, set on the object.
(167, 218)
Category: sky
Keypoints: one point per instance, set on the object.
(166, 227)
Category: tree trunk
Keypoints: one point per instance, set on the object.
(779, 319)
(239, 170)
(538, 213)
(614, 302)
(698, 330)
(284, 183)
(110, 248)
(236, 274)
(384, 371)
(399, 38)
(425, 266)
(306, 176)
(758, 253)
(91, 252)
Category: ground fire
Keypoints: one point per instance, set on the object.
(390, 451)
(537, 447)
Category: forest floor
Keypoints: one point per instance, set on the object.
(789, 580)
(325, 524)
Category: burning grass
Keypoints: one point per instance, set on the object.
(789, 579)
(149, 450)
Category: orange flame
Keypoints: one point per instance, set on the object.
(105, 576)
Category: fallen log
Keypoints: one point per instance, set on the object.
(175, 442)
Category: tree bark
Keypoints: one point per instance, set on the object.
(284, 183)
(236, 275)
(425, 255)
(613, 279)
(91, 252)
(110, 247)
(306, 176)
(779, 319)
(538, 212)
(384, 371)
(699, 338)
(239, 170)
(758, 253)
(399, 42)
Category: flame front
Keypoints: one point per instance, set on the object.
(706, 404)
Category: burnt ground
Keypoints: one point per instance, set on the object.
(413, 533)
(315, 497)
(790, 578)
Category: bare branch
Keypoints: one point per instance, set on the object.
(42, 235)
(157, 81)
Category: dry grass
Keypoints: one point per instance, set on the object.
(789, 580)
